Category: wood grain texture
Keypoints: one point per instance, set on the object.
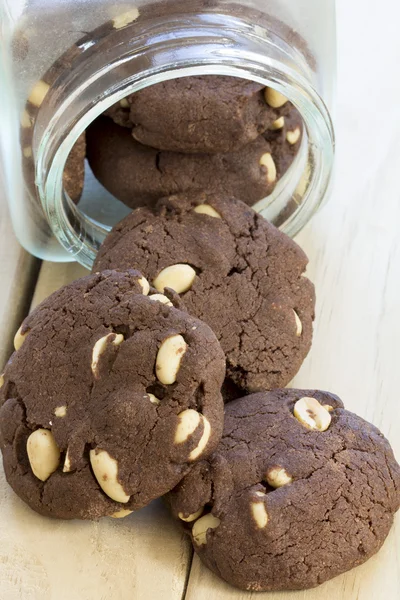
(143, 556)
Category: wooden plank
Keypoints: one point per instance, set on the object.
(142, 556)
(52, 276)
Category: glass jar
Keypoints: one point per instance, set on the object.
(64, 62)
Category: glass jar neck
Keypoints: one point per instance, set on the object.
(122, 64)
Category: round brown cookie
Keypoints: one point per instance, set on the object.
(74, 171)
(284, 136)
(139, 175)
(298, 491)
(234, 270)
(109, 398)
(200, 114)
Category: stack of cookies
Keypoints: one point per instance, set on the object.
(163, 373)
(204, 134)
(211, 134)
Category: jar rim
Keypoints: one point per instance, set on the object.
(245, 52)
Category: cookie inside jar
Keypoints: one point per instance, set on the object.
(209, 133)
(182, 114)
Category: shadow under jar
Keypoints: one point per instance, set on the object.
(65, 63)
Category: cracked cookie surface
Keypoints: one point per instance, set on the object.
(298, 491)
(139, 175)
(207, 114)
(110, 397)
(248, 283)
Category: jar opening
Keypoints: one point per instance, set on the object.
(192, 45)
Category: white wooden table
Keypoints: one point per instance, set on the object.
(354, 249)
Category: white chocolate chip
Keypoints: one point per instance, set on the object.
(278, 124)
(100, 347)
(144, 285)
(293, 136)
(191, 517)
(274, 98)
(38, 93)
(188, 422)
(1, 380)
(43, 453)
(206, 209)
(27, 152)
(169, 359)
(105, 469)
(25, 120)
(67, 463)
(154, 399)
(312, 414)
(120, 514)
(60, 411)
(328, 407)
(178, 277)
(161, 298)
(299, 325)
(124, 103)
(19, 338)
(278, 477)
(203, 440)
(259, 511)
(125, 18)
(267, 161)
(201, 526)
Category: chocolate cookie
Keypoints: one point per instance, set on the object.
(200, 114)
(139, 175)
(234, 270)
(109, 398)
(298, 491)
(74, 171)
